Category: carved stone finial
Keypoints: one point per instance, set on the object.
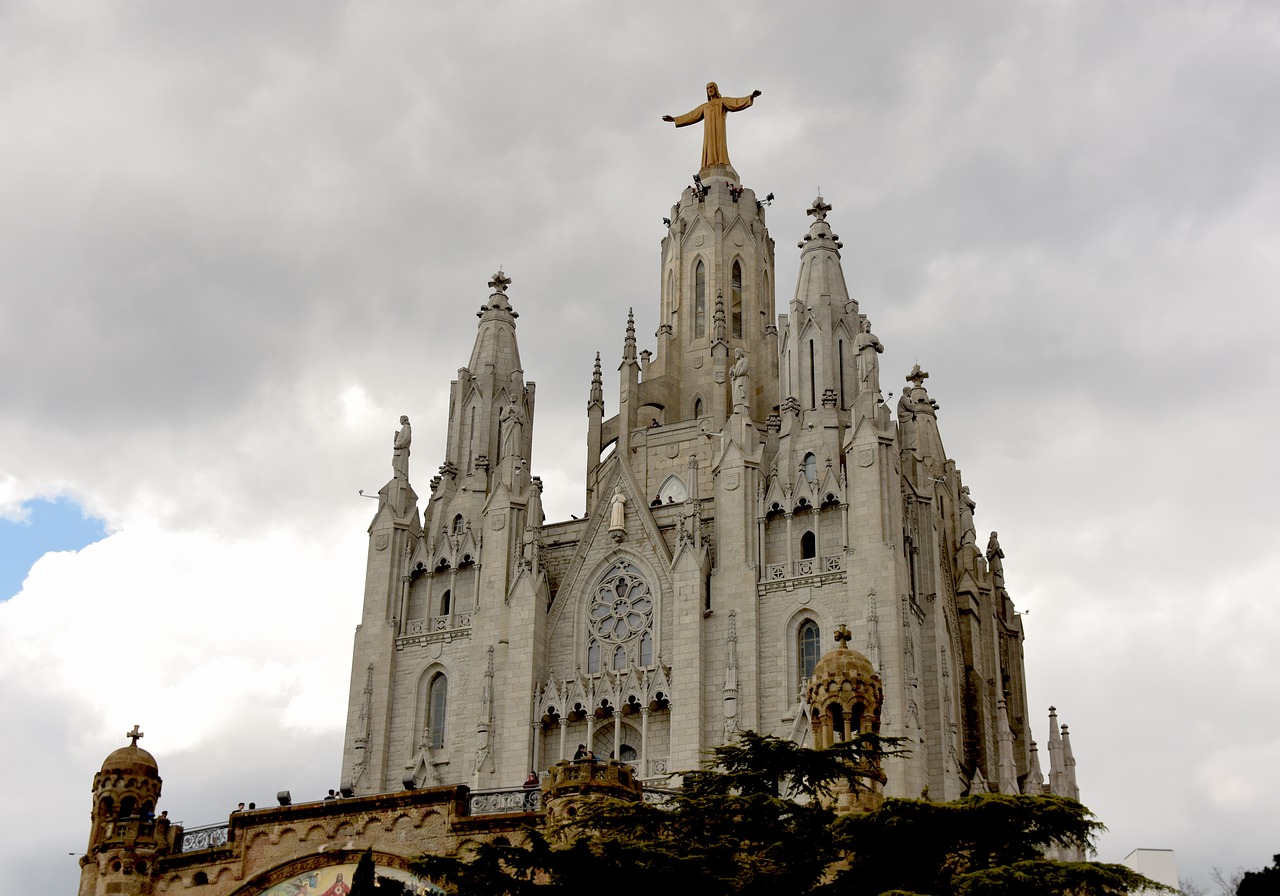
(917, 376)
(499, 282)
(843, 636)
(819, 208)
(134, 735)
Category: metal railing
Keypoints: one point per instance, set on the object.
(210, 836)
(503, 802)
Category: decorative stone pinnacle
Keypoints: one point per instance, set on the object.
(917, 376)
(819, 208)
(499, 282)
(134, 735)
(843, 636)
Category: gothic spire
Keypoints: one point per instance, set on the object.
(629, 345)
(597, 385)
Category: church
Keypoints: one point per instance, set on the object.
(766, 545)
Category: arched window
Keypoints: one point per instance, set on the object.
(646, 649)
(735, 299)
(672, 490)
(593, 656)
(445, 600)
(458, 524)
(619, 658)
(697, 407)
(810, 467)
(699, 301)
(437, 706)
(808, 546)
(807, 642)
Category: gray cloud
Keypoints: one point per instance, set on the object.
(239, 240)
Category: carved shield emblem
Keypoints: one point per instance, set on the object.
(380, 541)
(497, 521)
(731, 481)
(865, 457)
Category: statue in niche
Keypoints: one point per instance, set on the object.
(868, 345)
(617, 509)
(510, 429)
(712, 114)
(741, 376)
(400, 449)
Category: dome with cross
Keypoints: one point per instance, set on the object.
(844, 694)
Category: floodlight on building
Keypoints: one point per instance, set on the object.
(284, 798)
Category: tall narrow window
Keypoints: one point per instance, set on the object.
(813, 382)
(437, 705)
(735, 301)
(807, 642)
(646, 649)
(697, 407)
(471, 438)
(593, 656)
(810, 467)
(699, 301)
(841, 346)
(445, 601)
(619, 658)
(808, 546)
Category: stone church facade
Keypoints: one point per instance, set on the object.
(753, 497)
(752, 493)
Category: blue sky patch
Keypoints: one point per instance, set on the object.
(51, 525)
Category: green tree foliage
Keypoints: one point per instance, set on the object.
(752, 821)
(363, 882)
(1265, 882)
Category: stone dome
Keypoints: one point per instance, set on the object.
(842, 664)
(133, 759)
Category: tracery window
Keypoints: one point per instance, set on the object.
(621, 612)
(810, 467)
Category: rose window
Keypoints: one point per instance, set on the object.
(622, 607)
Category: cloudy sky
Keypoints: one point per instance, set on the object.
(239, 239)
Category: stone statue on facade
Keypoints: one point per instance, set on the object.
(868, 345)
(510, 428)
(400, 449)
(968, 534)
(995, 560)
(617, 510)
(741, 375)
(712, 114)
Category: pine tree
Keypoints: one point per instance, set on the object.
(754, 822)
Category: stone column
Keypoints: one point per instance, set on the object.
(644, 741)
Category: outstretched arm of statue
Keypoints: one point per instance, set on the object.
(687, 118)
(738, 103)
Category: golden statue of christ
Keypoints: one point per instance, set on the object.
(712, 113)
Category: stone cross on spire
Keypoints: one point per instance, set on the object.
(500, 282)
(917, 376)
(134, 734)
(819, 208)
(843, 636)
